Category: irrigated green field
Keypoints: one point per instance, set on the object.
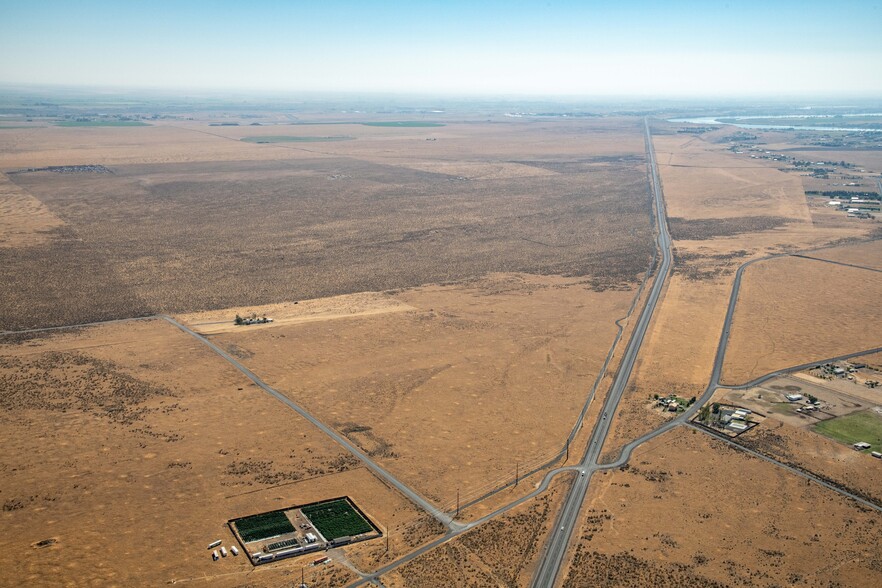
(859, 426)
(263, 526)
(336, 519)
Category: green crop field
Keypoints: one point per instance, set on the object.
(859, 426)
(289, 139)
(403, 123)
(336, 519)
(101, 123)
(263, 526)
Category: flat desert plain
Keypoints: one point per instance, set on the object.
(129, 446)
(173, 230)
(723, 210)
(456, 387)
(794, 310)
(443, 297)
(690, 510)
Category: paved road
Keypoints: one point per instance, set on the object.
(79, 325)
(377, 469)
(550, 562)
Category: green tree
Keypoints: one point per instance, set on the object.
(704, 413)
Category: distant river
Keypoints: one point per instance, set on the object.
(743, 125)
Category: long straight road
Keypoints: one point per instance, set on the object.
(549, 564)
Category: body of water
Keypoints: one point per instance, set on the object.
(710, 120)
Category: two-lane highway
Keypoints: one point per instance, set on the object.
(551, 560)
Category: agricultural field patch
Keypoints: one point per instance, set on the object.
(336, 519)
(863, 426)
(791, 311)
(263, 526)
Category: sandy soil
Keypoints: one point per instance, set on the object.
(680, 516)
(479, 380)
(302, 311)
(24, 220)
(858, 472)
(793, 310)
(129, 446)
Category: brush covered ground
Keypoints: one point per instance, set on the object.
(502, 552)
(680, 515)
(129, 446)
(534, 236)
(191, 218)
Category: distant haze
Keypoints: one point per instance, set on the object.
(584, 48)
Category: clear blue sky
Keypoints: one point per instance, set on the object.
(586, 48)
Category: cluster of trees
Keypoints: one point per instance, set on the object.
(253, 319)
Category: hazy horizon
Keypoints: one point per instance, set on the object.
(574, 50)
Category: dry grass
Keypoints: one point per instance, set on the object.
(130, 446)
(680, 515)
(24, 220)
(864, 254)
(793, 310)
(452, 394)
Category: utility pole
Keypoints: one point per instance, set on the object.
(457, 503)
(387, 542)
(568, 451)
(517, 473)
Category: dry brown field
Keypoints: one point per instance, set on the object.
(793, 310)
(863, 254)
(129, 446)
(193, 219)
(724, 210)
(458, 388)
(24, 220)
(681, 515)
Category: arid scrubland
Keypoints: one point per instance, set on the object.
(129, 447)
(688, 511)
(171, 231)
(724, 209)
